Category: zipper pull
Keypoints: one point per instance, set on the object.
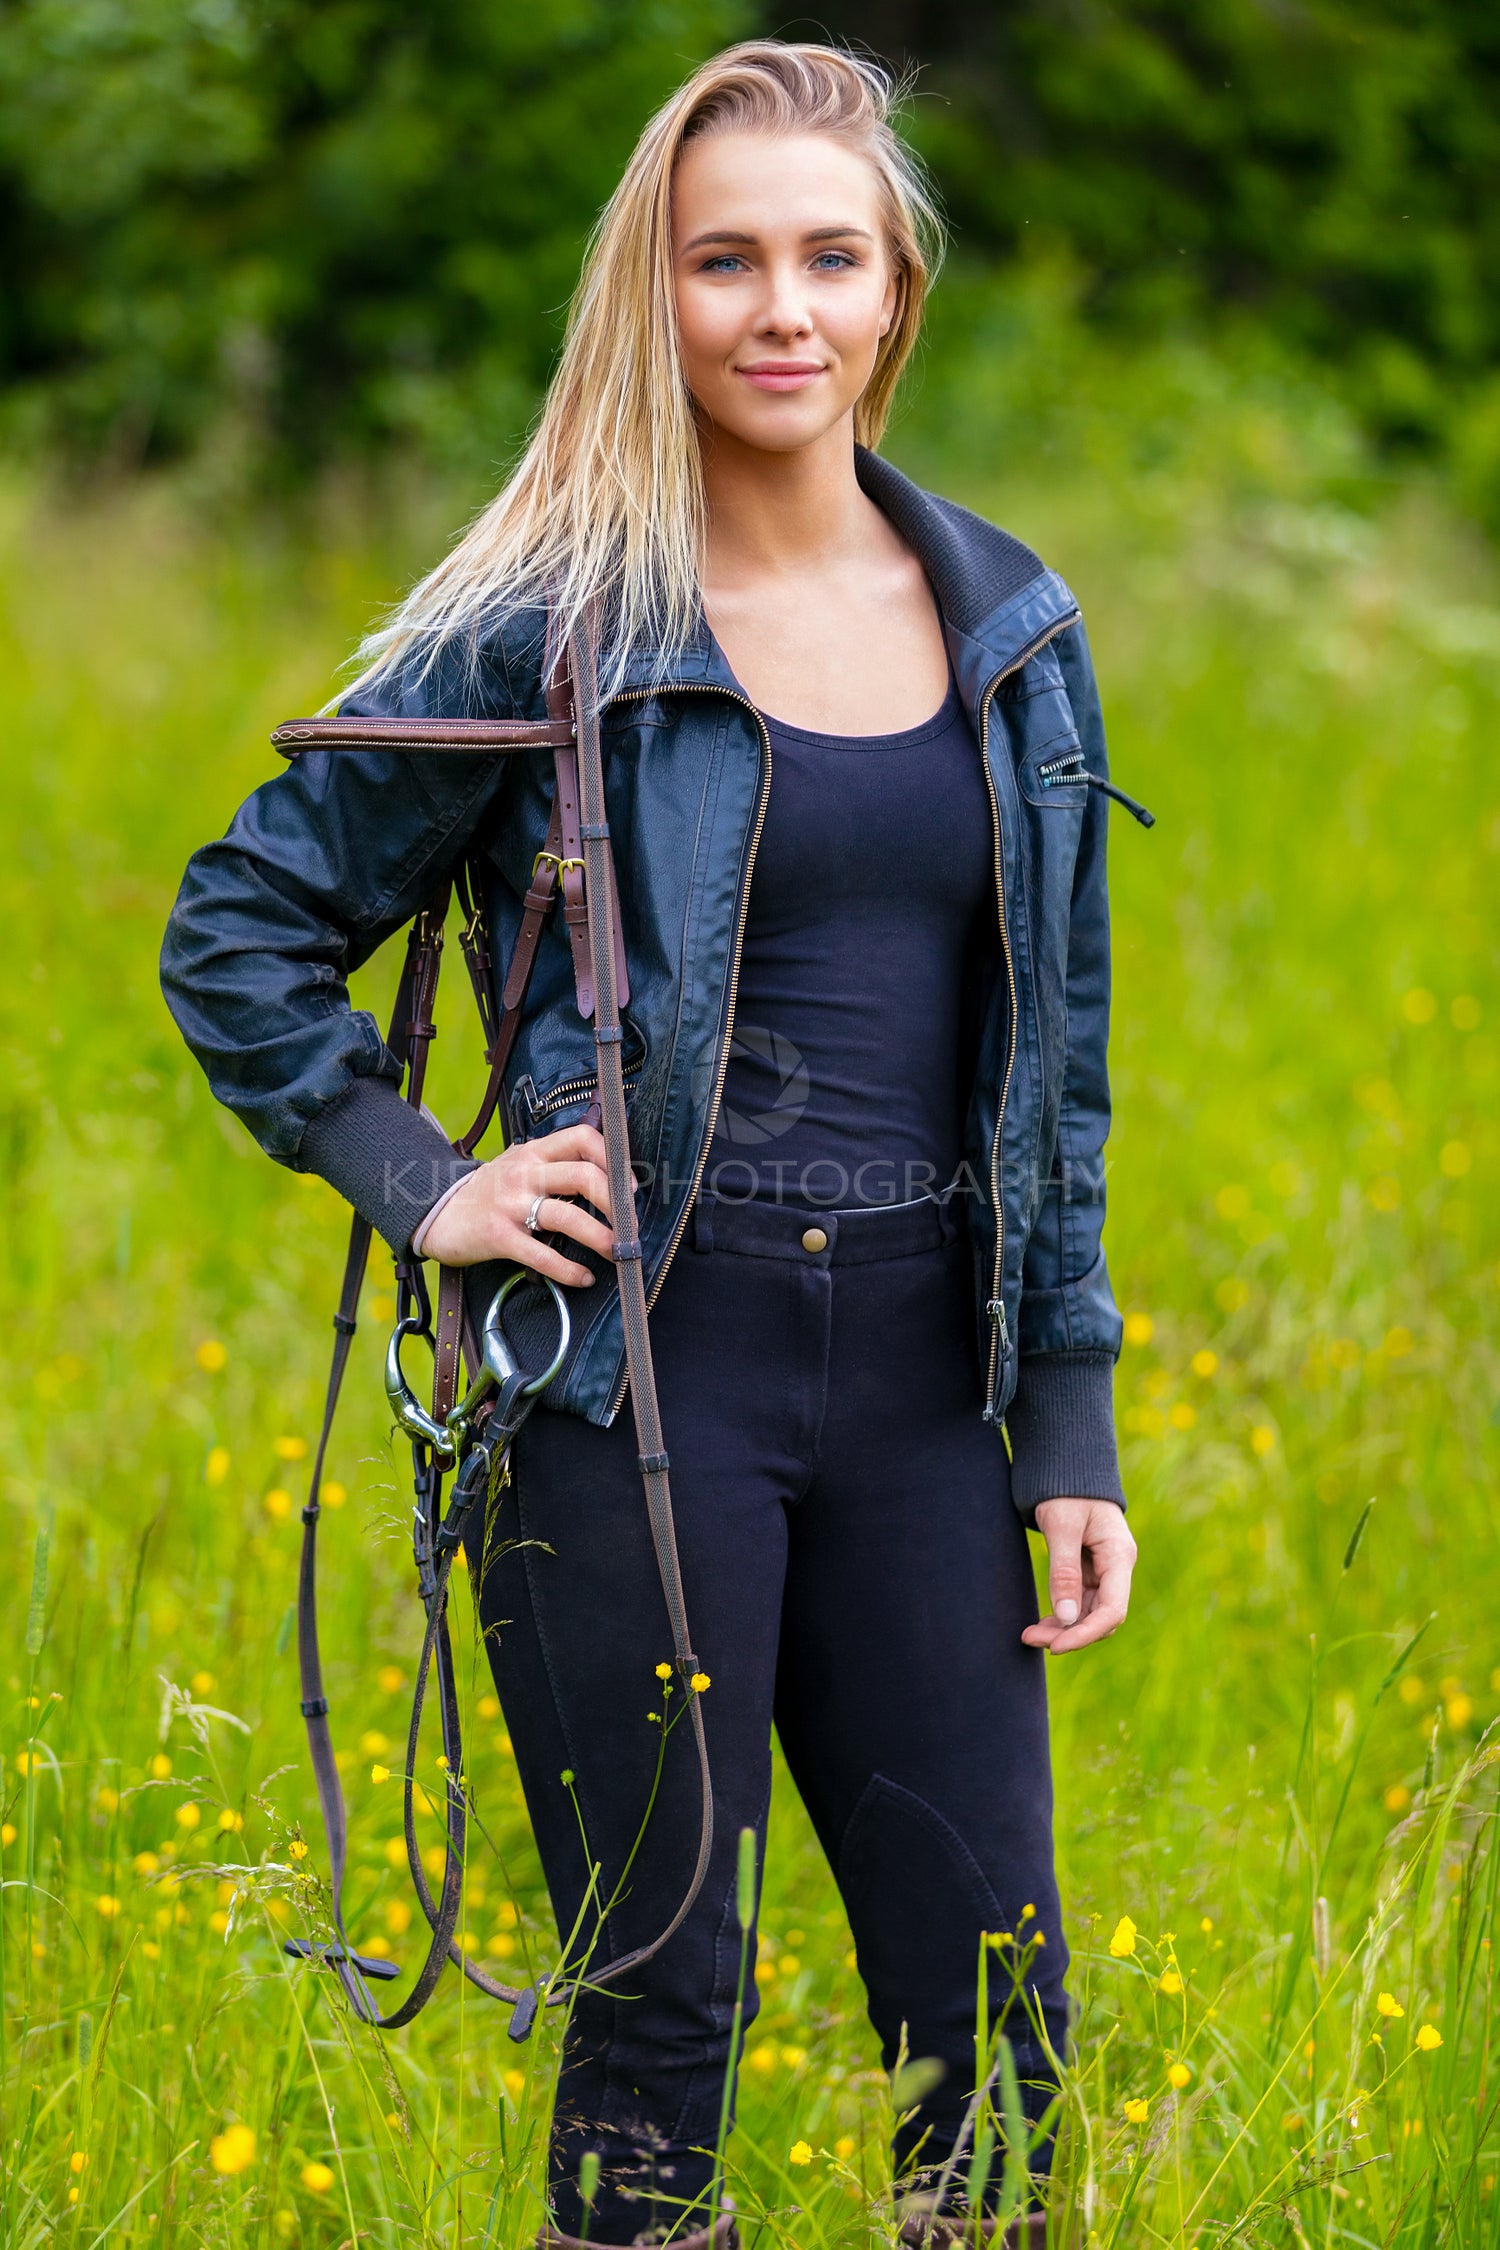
(1069, 771)
(996, 1310)
(1097, 781)
(522, 1107)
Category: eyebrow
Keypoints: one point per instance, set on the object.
(749, 241)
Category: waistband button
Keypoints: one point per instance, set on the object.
(815, 1239)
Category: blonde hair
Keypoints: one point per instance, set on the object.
(606, 503)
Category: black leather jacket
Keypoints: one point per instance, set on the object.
(328, 859)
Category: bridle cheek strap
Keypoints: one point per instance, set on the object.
(576, 864)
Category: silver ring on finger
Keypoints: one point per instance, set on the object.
(531, 1226)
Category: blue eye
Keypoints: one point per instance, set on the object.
(725, 261)
(840, 258)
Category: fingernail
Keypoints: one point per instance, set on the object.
(1067, 1613)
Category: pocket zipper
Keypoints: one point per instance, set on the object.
(537, 1106)
(1060, 773)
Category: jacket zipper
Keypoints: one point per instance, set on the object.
(1069, 771)
(569, 1089)
(734, 976)
(995, 1305)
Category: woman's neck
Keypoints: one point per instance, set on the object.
(823, 613)
(780, 512)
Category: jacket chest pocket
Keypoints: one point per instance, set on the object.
(1054, 794)
(1055, 779)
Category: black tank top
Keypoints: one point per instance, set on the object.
(871, 909)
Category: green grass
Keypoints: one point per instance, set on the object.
(1301, 678)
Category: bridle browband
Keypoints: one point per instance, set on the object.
(471, 1438)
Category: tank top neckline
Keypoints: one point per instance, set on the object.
(906, 738)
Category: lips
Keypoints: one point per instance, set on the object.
(782, 375)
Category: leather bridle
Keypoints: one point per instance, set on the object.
(473, 1441)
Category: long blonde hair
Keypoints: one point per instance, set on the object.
(606, 502)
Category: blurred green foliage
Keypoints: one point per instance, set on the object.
(1330, 167)
(291, 229)
(319, 222)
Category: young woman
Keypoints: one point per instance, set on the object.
(850, 741)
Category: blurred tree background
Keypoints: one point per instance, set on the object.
(292, 230)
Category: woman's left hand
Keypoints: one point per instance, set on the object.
(1090, 1556)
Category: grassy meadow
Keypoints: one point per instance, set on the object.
(1277, 1791)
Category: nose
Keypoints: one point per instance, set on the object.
(784, 310)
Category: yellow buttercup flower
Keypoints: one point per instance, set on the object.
(188, 1815)
(664, 1671)
(1429, 2037)
(1178, 2075)
(211, 1356)
(107, 1906)
(380, 1773)
(1170, 1983)
(289, 1448)
(296, 1849)
(161, 1766)
(232, 2150)
(77, 2161)
(800, 2153)
(1123, 1941)
(317, 2177)
(700, 1683)
(1388, 2005)
(1137, 2111)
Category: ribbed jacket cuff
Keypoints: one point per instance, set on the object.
(1061, 1424)
(386, 1158)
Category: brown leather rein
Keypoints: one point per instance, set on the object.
(577, 865)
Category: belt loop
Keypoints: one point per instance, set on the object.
(703, 1221)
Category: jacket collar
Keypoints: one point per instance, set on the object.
(997, 598)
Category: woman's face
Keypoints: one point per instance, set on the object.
(784, 283)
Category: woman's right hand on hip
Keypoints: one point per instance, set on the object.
(486, 1218)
